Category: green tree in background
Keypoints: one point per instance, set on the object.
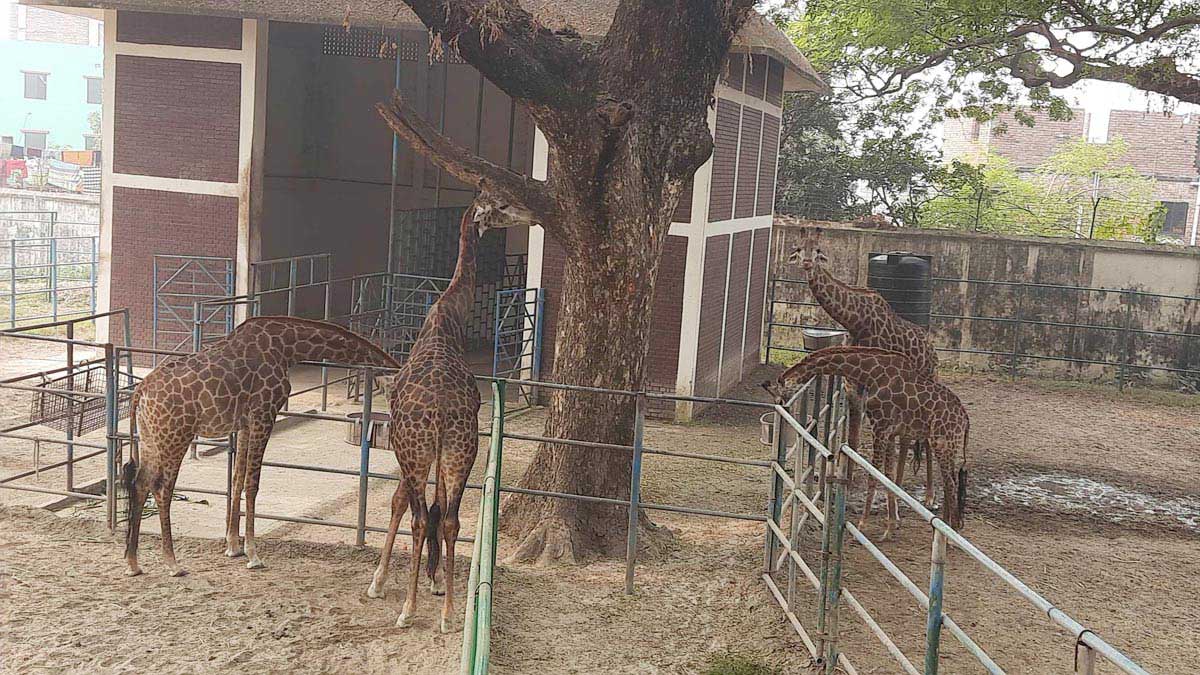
(1083, 190)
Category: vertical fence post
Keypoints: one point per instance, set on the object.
(1016, 335)
(933, 621)
(833, 585)
(110, 430)
(71, 407)
(770, 316)
(53, 281)
(798, 461)
(291, 294)
(12, 283)
(635, 489)
(1127, 336)
(364, 458)
(773, 502)
(1085, 659)
(197, 326)
(95, 259)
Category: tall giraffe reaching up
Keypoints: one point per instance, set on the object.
(238, 383)
(434, 403)
(871, 322)
(901, 404)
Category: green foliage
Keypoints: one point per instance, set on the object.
(737, 664)
(1084, 189)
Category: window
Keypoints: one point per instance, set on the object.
(1176, 223)
(91, 142)
(35, 140)
(93, 89)
(35, 85)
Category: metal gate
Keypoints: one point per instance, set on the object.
(517, 338)
(181, 284)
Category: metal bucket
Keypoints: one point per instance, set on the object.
(766, 432)
(820, 338)
(380, 422)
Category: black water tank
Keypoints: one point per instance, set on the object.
(904, 280)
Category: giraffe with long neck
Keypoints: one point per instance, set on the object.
(238, 383)
(871, 322)
(434, 403)
(902, 404)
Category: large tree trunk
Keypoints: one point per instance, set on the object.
(626, 125)
(601, 342)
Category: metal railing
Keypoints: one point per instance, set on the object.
(812, 493)
(47, 278)
(1124, 337)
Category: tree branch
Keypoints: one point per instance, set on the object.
(512, 49)
(498, 184)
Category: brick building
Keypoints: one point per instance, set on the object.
(1161, 146)
(247, 132)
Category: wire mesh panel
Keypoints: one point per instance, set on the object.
(517, 341)
(182, 282)
(80, 414)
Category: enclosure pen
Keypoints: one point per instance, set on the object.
(811, 495)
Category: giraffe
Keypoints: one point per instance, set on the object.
(902, 404)
(434, 404)
(871, 322)
(238, 383)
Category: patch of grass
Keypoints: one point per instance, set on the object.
(738, 664)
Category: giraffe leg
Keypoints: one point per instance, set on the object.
(420, 516)
(163, 496)
(950, 511)
(399, 506)
(879, 458)
(257, 435)
(928, 476)
(233, 544)
(893, 501)
(450, 527)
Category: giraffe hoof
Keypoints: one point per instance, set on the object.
(403, 621)
(256, 564)
(234, 553)
(373, 592)
(436, 588)
(133, 572)
(179, 572)
(444, 626)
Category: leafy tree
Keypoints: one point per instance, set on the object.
(1082, 190)
(982, 53)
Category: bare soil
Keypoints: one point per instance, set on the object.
(1088, 496)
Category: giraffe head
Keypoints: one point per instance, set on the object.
(808, 251)
(491, 212)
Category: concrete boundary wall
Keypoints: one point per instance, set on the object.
(1159, 269)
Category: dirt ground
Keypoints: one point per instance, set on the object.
(1087, 495)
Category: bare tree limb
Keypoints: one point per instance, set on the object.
(513, 49)
(496, 183)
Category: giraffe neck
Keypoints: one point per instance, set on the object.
(864, 366)
(449, 315)
(848, 306)
(309, 340)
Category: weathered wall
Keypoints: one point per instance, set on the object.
(1039, 260)
(82, 211)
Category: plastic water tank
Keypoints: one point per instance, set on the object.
(905, 281)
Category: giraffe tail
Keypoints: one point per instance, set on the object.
(434, 522)
(962, 476)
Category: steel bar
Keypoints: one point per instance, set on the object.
(364, 457)
(833, 579)
(635, 490)
(43, 439)
(50, 491)
(933, 621)
(51, 467)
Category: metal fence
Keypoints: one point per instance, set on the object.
(48, 270)
(1097, 333)
(811, 494)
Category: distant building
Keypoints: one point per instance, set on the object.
(1161, 146)
(50, 78)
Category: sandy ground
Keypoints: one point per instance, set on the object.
(1087, 495)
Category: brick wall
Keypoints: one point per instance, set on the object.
(177, 119)
(1026, 147)
(760, 258)
(1159, 145)
(724, 161)
(46, 25)
(662, 358)
(712, 302)
(150, 222)
(766, 167)
(735, 310)
(180, 30)
(748, 168)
